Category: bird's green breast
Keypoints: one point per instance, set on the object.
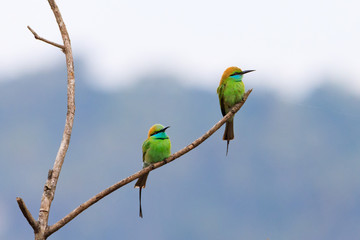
(233, 92)
(158, 150)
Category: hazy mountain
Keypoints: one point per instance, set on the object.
(292, 172)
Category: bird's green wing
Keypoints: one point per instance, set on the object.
(145, 147)
(220, 91)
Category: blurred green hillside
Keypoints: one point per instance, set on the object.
(292, 171)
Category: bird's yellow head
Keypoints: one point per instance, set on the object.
(157, 131)
(234, 72)
(229, 71)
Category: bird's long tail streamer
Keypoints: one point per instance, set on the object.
(140, 213)
(227, 147)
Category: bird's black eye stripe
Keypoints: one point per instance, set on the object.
(162, 130)
(154, 133)
(236, 73)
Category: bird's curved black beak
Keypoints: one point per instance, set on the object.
(164, 129)
(246, 71)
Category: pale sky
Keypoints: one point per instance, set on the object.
(293, 45)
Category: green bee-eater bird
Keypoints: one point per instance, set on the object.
(155, 148)
(231, 90)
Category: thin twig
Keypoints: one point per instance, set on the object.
(45, 40)
(131, 178)
(34, 224)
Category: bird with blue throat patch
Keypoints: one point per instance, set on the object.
(155, 148)
(231, 91)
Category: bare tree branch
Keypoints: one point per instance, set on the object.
(45, 40)
(34, 224)
(50, 186)
(131, 178)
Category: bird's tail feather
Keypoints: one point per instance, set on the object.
(140, 211)
(227, 147)
(228, 133)
(141, 183)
